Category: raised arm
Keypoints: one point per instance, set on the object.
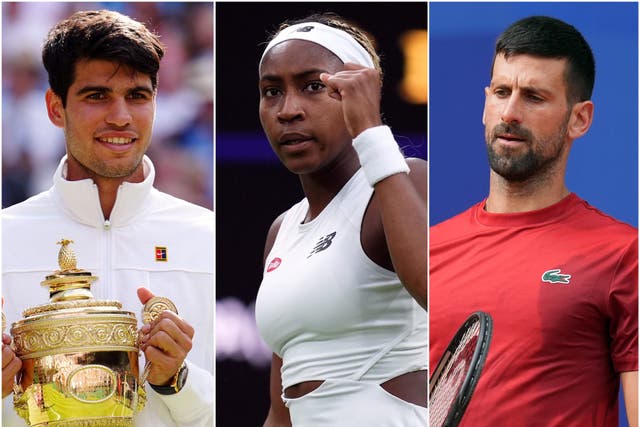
(402, 201)
(401, 197)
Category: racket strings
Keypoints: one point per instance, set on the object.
(447, 389)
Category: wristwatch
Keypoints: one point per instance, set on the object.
(179, 379)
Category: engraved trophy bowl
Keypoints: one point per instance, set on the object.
(79, 355)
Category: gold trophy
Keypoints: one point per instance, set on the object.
(79, 355)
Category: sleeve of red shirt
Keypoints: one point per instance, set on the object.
(623, 311)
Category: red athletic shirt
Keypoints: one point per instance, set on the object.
(561, 285)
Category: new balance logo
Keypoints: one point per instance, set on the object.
(322, 244)
(554, 276)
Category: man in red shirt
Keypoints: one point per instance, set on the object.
(559, 277)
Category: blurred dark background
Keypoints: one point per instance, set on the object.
(253, 188)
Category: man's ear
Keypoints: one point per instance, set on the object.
(55, 110)
(484, 110)
(581, 118)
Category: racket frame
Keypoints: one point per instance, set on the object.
(478, 359)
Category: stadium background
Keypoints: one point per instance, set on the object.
(182, 143)
(603, 166)
(253, 188)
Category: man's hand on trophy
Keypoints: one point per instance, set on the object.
(11, 365)
(166, 340)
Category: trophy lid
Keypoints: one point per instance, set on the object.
(69, 287)
(69, 282)
(72, 305)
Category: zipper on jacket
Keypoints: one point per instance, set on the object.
(107, 285)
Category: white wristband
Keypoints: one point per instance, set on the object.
(379, 154)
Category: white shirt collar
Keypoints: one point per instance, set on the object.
(81, 201)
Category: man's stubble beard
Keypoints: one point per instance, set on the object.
(534, 161)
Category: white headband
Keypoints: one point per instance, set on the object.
(337, 41)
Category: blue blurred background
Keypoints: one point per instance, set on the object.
(603, 165)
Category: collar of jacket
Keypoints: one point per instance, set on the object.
(81, 201)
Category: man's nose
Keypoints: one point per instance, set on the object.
(119, 113)
(512, 110)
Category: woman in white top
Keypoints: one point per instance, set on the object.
(343, 298)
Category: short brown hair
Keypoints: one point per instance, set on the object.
(99, 34)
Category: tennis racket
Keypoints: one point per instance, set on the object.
(458, 371)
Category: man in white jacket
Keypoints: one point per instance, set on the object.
(102, 69)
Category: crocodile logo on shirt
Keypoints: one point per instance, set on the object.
(322, 244)
(554, 276)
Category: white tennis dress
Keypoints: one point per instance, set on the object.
(332, 314)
